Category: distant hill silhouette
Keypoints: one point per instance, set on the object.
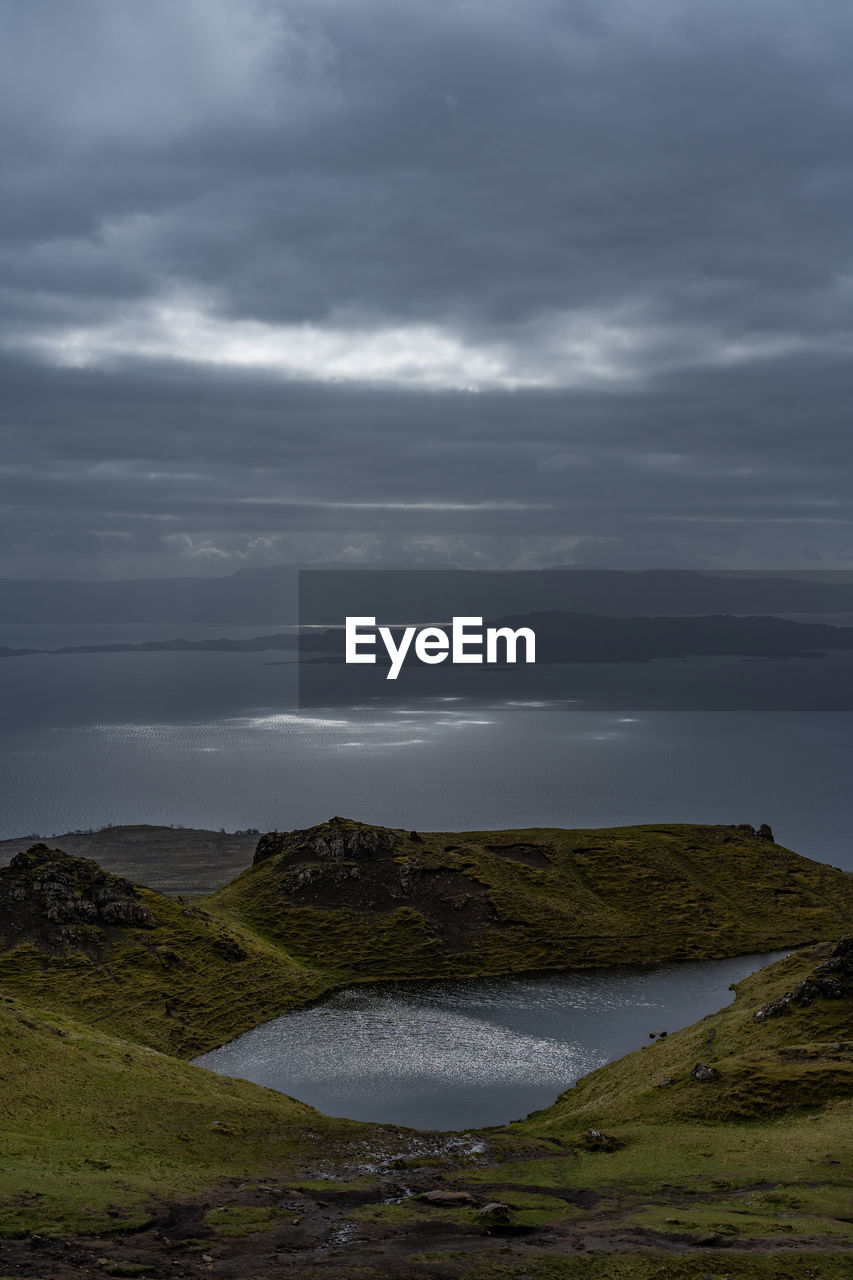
(269, 595)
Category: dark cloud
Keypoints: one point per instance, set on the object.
(462, 283)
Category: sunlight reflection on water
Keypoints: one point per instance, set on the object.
(457, 1054)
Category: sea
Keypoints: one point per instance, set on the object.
(217, 740)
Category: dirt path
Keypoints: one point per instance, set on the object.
(314, 1237)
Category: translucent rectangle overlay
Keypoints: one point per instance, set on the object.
(604, 639)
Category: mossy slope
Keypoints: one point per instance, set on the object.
(348, 902)
(763, 1149)
(369, 902)
(94, 1127)
(785, 1043)
(133, 961)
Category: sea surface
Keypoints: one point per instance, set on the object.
(454, 1055)
(217, 740)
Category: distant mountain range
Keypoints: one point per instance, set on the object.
(560, 637)
(270, 596)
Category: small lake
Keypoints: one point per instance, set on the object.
(459, 1055)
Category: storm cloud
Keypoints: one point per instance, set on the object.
(474, 284)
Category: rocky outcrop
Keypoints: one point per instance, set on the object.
(704, 1073)
(446, 1199)
(339, 839)
(358, 898)
(51, 898)
(764, 832)
(832, 979)
(342, 865)
(595, 1140)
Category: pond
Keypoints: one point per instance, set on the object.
(458, 1055)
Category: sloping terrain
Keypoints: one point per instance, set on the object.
(160, 970)
(345, 901)
(786, 1042)
(724, 1149)
(362, 901)
(119, 1160)
(171, 859)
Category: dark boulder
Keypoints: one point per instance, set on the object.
(704, 1074)
(775, 1008)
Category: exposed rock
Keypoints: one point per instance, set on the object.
(775, 1009)
(338, 838)
(595, 1140)
(495, 1207)
(56, 900)
(813, 988)
(494, 1216)
(765, 831)
(666, 1082)
(130, 913)
(703, 1073)
(344, 865)
(840, 960)
(447, 1197)
(832, 979)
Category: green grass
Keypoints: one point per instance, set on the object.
(242, 1220)
(184, 986)
(98, 1122)
(620, 895)
(766, 1149)
(211, 970)
(655, 1266)
(93, 1127)
(763, 1153)
(765, 1068)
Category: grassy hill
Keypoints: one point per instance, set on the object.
(785, 1043)
(370, 902)
(739, 1127)
(731, 1139)
(344, 902)
(158, 970)
(95, 1128)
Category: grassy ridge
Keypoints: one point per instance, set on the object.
(185, 977)
(763, 1150)
(464, 904)
(766, 1066)
(148, 967)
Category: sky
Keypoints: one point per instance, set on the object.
(465, 282)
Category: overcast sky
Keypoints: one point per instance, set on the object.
(432, 281)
